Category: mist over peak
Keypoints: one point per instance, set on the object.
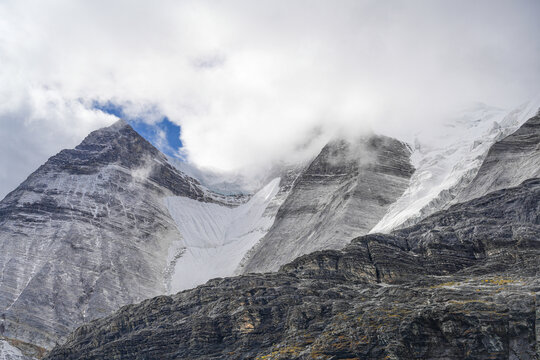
(248, 84)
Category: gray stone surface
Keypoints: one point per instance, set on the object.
(89, 232)
(342, 194)
(508, 162)
(86, 233)
(461, 284)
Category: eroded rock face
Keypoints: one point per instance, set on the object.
(461, 284)
(342, 194)
(86, 233)
(508, 162)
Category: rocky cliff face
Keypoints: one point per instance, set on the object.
(342, 194)
(449, 157)
(508, 162)
(86, 233)
(112, 222)
(461, 284)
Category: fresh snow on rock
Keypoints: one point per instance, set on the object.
(9, 352)
(112, 222)
(509, 162)
(215, 237)
(448, 161)
(340, 195)
(87, 233)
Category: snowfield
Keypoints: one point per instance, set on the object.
(447, 161)
(215, 237)
(9, 352)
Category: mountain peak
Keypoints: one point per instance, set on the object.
(117, 127)
(116, 144)
(96, 211)
(342, 194)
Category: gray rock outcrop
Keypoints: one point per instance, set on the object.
(462, 283)
(89, 231)
(85, 234)
(509, 162)
(342, 194)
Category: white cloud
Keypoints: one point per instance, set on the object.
(249, 80)
(36, 126)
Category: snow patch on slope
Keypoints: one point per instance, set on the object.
(215, 237)
(9, 352)
(446, 162)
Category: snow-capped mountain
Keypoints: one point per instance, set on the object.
(508, 163)
(113, 222)
(342, 194)
(460, 284)
(86, 233)
(447, 160)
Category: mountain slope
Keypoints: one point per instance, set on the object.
(112, 222)
(86, 233)
(460, 284)
(343, 193)
(216, 237)
(509, 162)
(447, 160)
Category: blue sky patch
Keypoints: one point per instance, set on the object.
(164, 135)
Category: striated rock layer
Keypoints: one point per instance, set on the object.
(508, 162)
(86, 233)
(342, 194)
(461, 284)
(447, 159)
(112, 222)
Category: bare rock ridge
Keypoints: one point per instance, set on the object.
(342, 194)
(122, 146)
(86, 233)
(461, 284)
(508, 162)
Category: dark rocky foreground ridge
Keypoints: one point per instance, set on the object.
(462, 284)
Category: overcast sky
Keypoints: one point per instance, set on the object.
(251, 82)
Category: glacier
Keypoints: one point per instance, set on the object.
(448, 160)
(215, 237)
